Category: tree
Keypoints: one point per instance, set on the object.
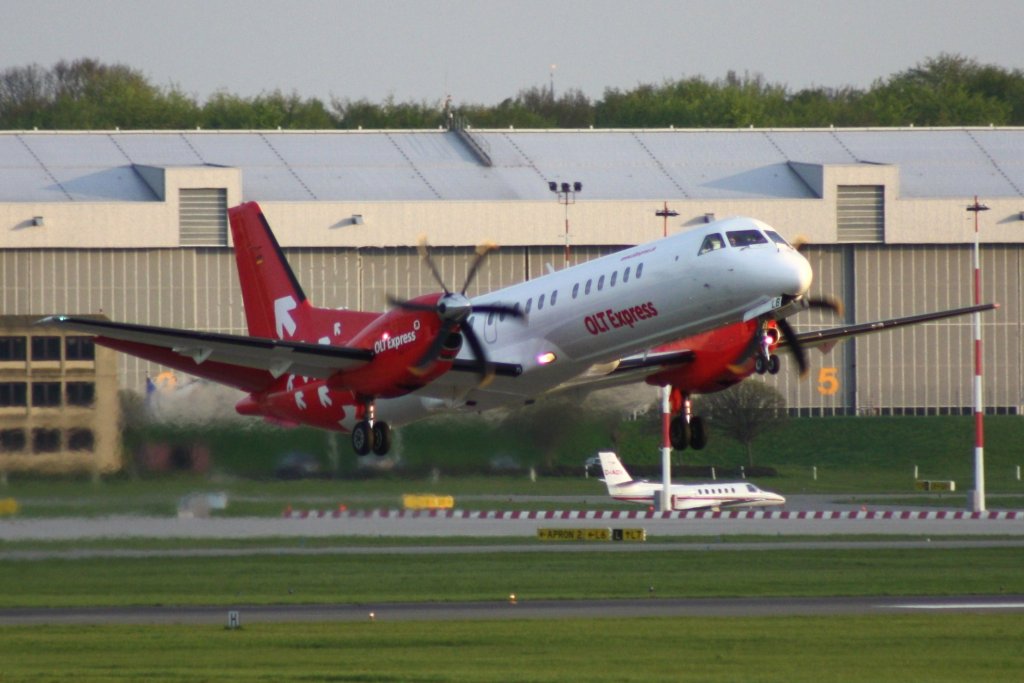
(744, 412)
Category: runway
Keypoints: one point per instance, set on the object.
(505, 610)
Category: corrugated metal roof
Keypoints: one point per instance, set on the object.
(430, 165)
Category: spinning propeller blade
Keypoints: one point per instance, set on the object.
(454, 310)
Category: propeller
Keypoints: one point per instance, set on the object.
(454, 309)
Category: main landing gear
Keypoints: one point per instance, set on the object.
(769, 364)
(686, 429)
(371, 435)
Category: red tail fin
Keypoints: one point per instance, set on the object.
(274, 301)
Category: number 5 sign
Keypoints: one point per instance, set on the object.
(828, 381)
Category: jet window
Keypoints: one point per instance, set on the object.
(776, 237)
(529, 304)
(746, 238)
(586, 290)
(625, 275)
(540, 302)
(639, 270)
(554, 297)
(614, 276)
(751, 488)
(712, 242)
(575, 290)
(600, 283)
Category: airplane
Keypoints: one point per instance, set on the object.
(715, 495)
(363, 372)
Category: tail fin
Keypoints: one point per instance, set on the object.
(274, 301)
(614, 473)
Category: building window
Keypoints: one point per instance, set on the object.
(12, 348)
(45, 394)
(45, 440)
(45, 348)
(13, 394)
(80, 439)
(79, 348)
(12, 440)
(80, 393)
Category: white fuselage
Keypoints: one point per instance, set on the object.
(620, 304)
(697, 496)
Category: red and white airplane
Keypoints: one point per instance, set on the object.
(716, 494)
(362, 371)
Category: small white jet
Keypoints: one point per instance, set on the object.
(715, 495)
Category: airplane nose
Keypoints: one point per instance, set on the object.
(796, 273)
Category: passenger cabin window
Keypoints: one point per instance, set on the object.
(639, 270)
(745, 238)
(625, 275)
(586, 290)
(614, 276)
(540, 302)
(575, 290)
(554, 297)
(600, 283)
(529, 304)
(776, 237)
(712, 242)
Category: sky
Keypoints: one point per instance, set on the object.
(483, 52)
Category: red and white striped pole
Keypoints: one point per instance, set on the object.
(977, 502)
(665, 503)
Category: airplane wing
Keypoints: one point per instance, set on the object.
(825, 340)
(627, 370)
(237, 360)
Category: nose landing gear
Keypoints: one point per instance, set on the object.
(686, 429)
(371, 434)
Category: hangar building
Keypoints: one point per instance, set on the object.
(132, 225)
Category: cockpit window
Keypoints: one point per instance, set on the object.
(776, 237)
(751, 488)
(712, 242)
(746, 238)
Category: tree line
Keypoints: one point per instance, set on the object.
(948, 90)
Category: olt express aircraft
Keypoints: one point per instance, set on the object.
(714, 494)
(361, 372)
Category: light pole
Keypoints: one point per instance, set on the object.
(977, 501)
(665, 213)
(566, 194)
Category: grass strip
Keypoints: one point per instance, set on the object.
(453, 576)
(851, 649)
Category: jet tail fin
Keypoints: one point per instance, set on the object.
(273, 298)
(614, 473)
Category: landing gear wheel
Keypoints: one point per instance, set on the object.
(678, 433)
(381, 438)
(698, 433)
(362, 438)
(773, 365)
(760, 365)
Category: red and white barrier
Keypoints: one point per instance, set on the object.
(952, 515)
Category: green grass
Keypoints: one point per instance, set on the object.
(381, 577)
(796, 649)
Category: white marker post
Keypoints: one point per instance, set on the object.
(666, 446)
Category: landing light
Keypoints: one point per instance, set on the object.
(545, 358)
